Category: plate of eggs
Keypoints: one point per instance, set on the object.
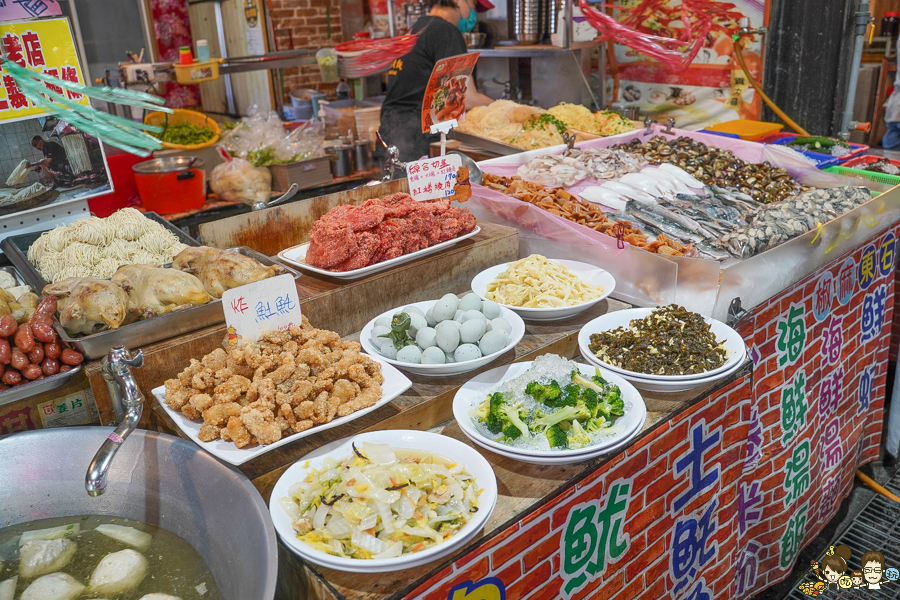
(448, 336)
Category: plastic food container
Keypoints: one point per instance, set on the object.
(169, 185)
(328, 64)
(182, 115)
(855, 149)
(748, 130)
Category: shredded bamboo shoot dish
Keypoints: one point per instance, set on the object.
(381, 502)
(538, 282)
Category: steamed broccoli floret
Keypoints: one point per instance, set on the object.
(564, 414)
(612, 404)
(578, 437)
(557, 437)
(500, 416)
(550, 394)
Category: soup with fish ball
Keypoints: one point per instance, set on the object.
(119, 559)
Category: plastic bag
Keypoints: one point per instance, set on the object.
(261, 139)
(237, 180)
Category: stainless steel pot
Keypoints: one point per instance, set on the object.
(155, 478)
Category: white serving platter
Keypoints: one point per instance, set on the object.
(473, 393)
(296, 255)
(734, 346)
(668, 387)
(444, 446)
(588, 273)
(447, 369)
(395, 383)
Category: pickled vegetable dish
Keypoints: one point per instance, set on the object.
(381, 502)
(669, 341)
(185, 134)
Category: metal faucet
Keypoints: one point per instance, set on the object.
(128, 406)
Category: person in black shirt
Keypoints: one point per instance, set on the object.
(439, 36)
(55, 162)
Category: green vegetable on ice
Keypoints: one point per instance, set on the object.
(576, 411)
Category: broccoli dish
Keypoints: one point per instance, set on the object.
(551, 406)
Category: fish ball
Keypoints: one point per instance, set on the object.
(388, 350)
(447, 336)
(119, 572)
(409, 354)
(490, 310)
(433, 356)
(470, 302)
(493, 341)
(45, 556)
(426, 338)
(57, 586)
(501, 324)
(8, 587)
(467, 352)
(472, 330)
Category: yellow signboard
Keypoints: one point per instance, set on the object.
(46, 47)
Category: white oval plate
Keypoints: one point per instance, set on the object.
(587, 273)
(395, 383)
(296, 255)
(571, 460)
(447, 447)
(734, 345)
(669, 386)
(473, 393)
(515, 321)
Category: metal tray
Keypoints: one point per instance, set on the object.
(45, 384)
(484, 143)
(139, 333)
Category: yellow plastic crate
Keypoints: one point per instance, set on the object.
(197, 72)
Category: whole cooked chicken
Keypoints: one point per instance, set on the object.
(88, 305)
(221, 270)
(154, 291)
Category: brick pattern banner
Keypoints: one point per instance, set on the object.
(719, 501)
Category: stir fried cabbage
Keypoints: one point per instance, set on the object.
(381, 502)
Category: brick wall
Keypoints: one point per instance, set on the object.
(715, 506)
(305, 24)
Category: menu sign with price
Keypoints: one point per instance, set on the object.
(432, 178)
(268, 304)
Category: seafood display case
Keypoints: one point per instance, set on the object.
(750, 273)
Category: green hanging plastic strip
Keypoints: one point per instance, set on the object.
(111, 129)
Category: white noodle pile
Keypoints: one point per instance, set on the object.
(93, 247)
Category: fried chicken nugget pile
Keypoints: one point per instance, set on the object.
(287, 382)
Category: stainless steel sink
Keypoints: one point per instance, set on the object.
(155, 478)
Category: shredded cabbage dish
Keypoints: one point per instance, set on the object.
(381, 502)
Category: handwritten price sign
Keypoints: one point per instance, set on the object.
(433, 177)
(268, 304)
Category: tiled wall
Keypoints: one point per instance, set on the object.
(15, 144)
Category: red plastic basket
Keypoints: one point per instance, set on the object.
(862, 161)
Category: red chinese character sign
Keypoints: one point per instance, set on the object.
(445, 96)
(438, 177)
(268, 304)
(45, 47)
(14, 10)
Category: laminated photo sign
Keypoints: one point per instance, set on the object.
(256, 307)
(445, 96)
